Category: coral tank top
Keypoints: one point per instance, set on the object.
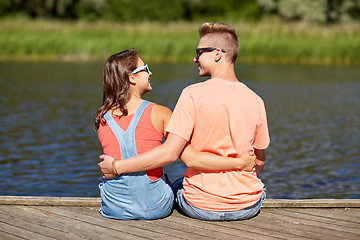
(146, 138)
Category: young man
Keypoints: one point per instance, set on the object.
(221, 116)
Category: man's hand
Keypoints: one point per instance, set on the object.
(248, 161)
(107, 167)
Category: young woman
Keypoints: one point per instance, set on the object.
(126, 126)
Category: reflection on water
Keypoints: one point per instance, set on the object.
(48, 147)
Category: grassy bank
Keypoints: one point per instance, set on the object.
(266, 42)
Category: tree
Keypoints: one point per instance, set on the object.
(317, 11)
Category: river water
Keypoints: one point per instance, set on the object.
(48, 146)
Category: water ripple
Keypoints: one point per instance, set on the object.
(48, 146)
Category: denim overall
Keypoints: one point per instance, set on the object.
(134, 195)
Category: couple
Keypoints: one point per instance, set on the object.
(215, 129)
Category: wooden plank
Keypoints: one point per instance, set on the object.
(6, 235)
(263, 226)
(294, 223)
(313, 231)
(273, 233)
(49, 201)
(324, 227)
(18, 232)
(161, 226)
(101, 223)
(172, 229)
(172, 224)
(24, 227)
(336, 224)
(78, 231)
(219, 230)
(67, 218)
(137, 224)
(186, 231)
(92, 202)
(347, 214)
(268, 221)
(339, 216)
(311, 203)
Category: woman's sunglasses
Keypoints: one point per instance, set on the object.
(145, 67)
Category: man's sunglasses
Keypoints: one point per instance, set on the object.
(200, 51)
(145, 67)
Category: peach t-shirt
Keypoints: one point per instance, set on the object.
(228, 119)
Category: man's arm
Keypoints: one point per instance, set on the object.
(164, 154)
(260, 160)
(210, 161)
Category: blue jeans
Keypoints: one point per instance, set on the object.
(201, 214)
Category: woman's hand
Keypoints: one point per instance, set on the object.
(248, 161)
(107, 166)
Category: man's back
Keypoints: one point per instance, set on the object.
(229, 119)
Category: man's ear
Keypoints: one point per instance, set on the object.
(218, 55)
(132, 79)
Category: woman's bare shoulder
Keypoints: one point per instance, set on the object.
(160, 116)
(161, 110)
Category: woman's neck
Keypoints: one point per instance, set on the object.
(133, 104)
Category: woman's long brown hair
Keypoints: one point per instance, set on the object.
(116, 84)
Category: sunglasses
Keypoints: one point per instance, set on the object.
(207, 49)
(145, 67)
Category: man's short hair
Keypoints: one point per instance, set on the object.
(223, 36)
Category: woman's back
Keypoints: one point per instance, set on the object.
(137, 195)
(146, 136)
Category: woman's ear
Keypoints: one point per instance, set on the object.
(132, 79)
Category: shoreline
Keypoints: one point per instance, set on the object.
(268, 41)
(89, 59)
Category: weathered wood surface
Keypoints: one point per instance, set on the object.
(78, 218)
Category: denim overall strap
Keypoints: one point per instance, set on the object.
(138, 113)
(127, 139)
(118, 132)
(129, 147)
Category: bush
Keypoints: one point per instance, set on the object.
(316, 11)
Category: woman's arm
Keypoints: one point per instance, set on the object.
(210, 161)
(260, 160)
(164, 154)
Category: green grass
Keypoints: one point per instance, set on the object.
(266, 42)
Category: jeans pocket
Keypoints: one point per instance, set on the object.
(160, 210)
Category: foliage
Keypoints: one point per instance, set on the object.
(266, 42)
(316, 11)
(226, 9)
(140, 10)
(319, 11)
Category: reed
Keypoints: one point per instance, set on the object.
(266, 42)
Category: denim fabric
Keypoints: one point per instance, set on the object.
(201, 214)
(134, 195)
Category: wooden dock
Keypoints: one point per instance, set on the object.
(78, 218)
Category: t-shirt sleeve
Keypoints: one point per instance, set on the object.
(182, 120)
(262, 138)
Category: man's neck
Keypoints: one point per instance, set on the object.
(225, 72)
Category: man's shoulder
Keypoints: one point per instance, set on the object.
(199, 86)
(196, 85)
